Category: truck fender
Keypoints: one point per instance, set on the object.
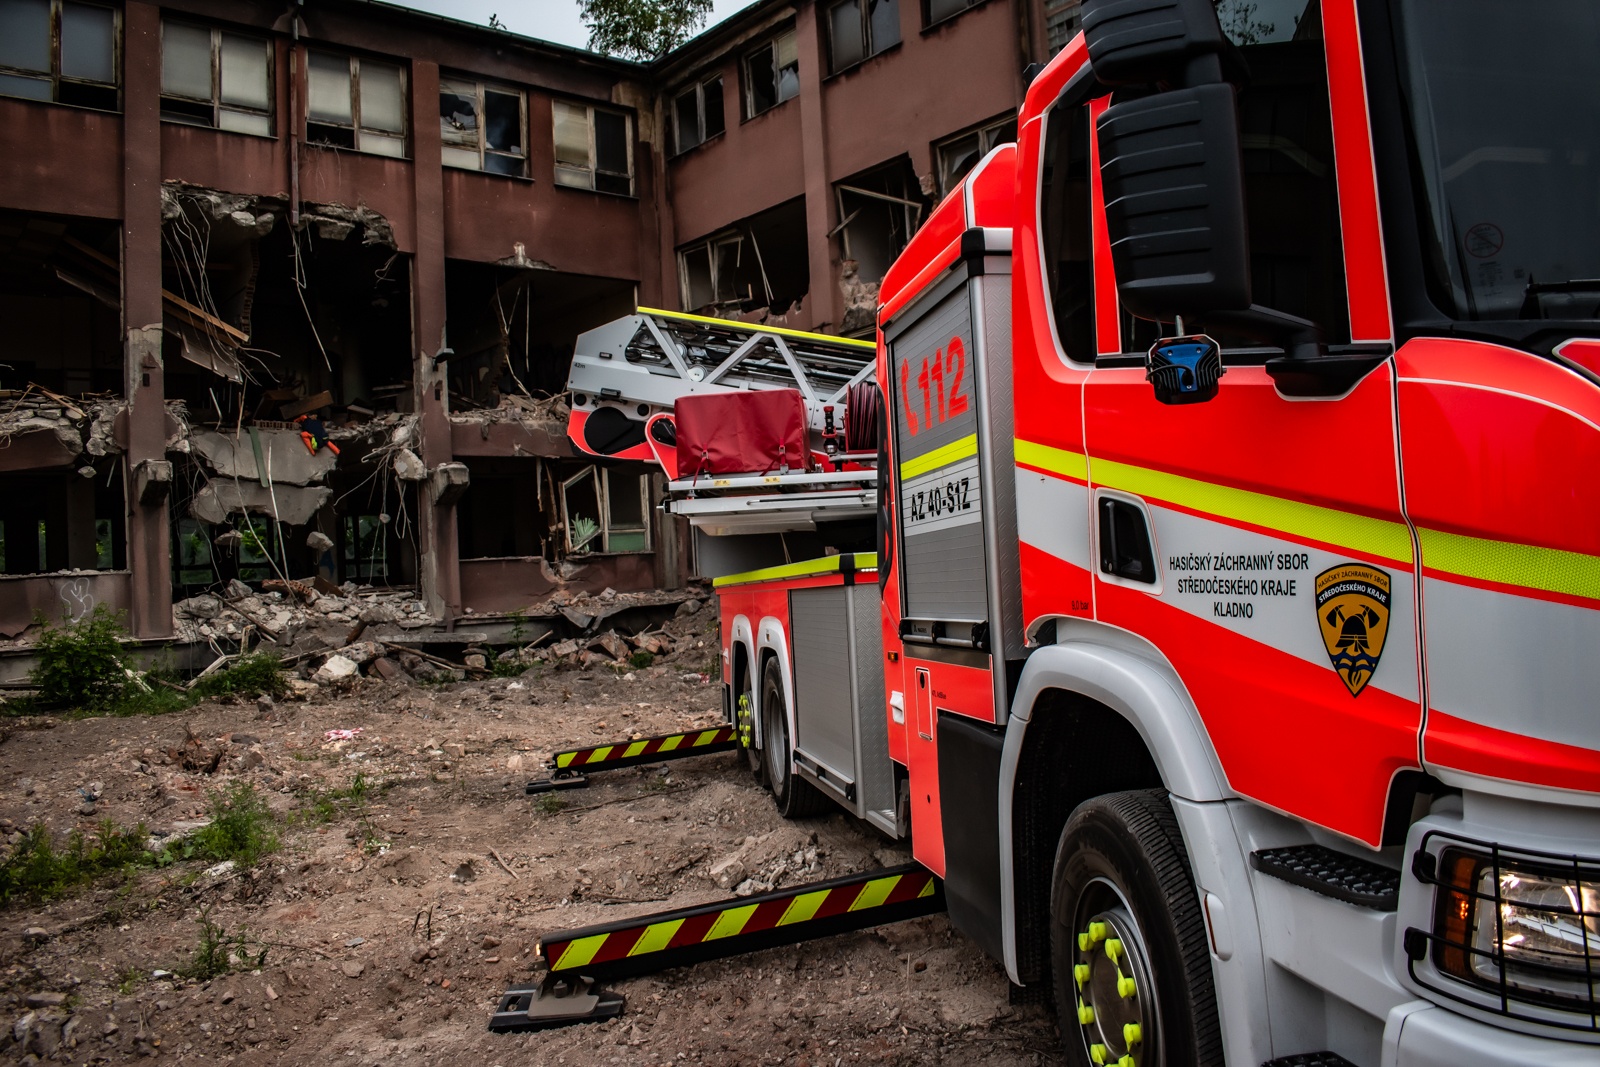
(741, 641)
(1132, 678)
(770, 636)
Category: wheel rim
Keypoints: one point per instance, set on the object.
(777, 747)
(1114, 996)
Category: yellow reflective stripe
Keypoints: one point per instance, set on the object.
(874, 893)
(939, 457)
(671, 743)
(1054, 460)
(634, 749)
(1375, 537)
(580, 952)
(748, 327)
(706, 738)
(656, 937)
(803, 907)
(600, 753)
(730, 922)
(565, 759)
(1552, 570)
(927, 889)
(863, 561)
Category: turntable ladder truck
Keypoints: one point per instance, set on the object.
(1238, 543)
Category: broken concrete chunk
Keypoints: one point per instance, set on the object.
(610, 644)
(336, 669)
(198, 607)
(317, 541)
(408, 468)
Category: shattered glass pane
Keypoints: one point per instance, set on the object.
(25, 35)
(244, 72)
(713, 107)
(185, 61)
(1005, 133)
(686, 120)
(382, 100)
(695, 265)
(884, 16)
(727, 269)
(845, 44)
(955, 159)
(572, 135)
(328, 78)
(580, 497)
(762, 80)
(611, 142)
(458, 114)
(788, 66)
(502, 121)
(88, 43)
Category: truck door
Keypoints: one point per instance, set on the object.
(1257, 540)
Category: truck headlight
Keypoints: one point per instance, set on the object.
(1523, 930)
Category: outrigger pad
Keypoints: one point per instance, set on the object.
(558, 1000)
(560, 781)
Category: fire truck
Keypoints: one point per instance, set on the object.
(1202, 571)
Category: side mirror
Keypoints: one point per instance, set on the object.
(1136, 42)
(1173, 177)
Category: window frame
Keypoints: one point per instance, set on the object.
(770, 44)
(217, 106)
(593, 168)
(710, 246)
(354, 62)
(54, 78)
(1070, 13)
(914, 213)
(983, 132)
(698, 88)
(868, 51)
(602, 488)
(481, 89)
(929, 22)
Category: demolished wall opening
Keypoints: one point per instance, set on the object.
(758, 267)
(71, 519)
(879, 210)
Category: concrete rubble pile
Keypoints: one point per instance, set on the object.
(295, 611)
(59, 428)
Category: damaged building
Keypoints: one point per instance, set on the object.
(269, 321)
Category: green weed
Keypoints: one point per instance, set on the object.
(259, 672)
(80, 664)
(550, 804)
(37, 870)
(219, 950)
(641, 659)
(241, 827)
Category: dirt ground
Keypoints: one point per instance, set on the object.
(391, 929)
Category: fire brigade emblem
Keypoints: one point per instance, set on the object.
(1352, 605)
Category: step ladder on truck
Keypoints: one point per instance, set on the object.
(1235, 663)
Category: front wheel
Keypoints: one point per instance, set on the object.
(1128, 950)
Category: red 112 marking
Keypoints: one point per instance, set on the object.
(948, 365)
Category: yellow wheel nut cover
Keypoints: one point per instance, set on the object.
(1080, 974)
(1114, 949)
(1125, 988)
(1085, 1013)
(1097, 933)
(1098, 1054)
(1131, 1034)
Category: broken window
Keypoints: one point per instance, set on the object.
(594, 148)
(858, 29)
(366, 548)
(878, 212)
(708, 272)
(356, 103)
(482, 127)
(697, 113)
(59, 50)
(1061, 21)
(196, 569)
(54, 520)
(606, 510)
(960, 154)
(772, 74)
(213, 78)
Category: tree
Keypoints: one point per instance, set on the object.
(641, 29)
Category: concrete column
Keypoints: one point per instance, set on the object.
(147, 471)
(823, 302)
(438, 570)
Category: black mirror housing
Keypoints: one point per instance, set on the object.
(1173, 177)
(1134, 42)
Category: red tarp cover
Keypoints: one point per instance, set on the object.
(740, 433)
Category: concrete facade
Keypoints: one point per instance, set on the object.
(237, 277)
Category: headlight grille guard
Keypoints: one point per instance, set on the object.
(1500, 996)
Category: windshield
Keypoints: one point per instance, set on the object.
(1505, 113)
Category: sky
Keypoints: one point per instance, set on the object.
(549, 20)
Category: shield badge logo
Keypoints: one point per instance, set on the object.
(1352, 605)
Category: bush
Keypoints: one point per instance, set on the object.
(259, 672)
(37, 870)
(80, 664)
(241, 827)
(641, 659)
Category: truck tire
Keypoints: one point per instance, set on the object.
(796, 797)
(1129, 957)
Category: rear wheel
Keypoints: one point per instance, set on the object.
(744, 721)
(1128, 951)
(796, 797)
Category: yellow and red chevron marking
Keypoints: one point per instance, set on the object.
(746, 924)
(694, 742)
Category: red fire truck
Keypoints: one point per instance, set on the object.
(1230, 645)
